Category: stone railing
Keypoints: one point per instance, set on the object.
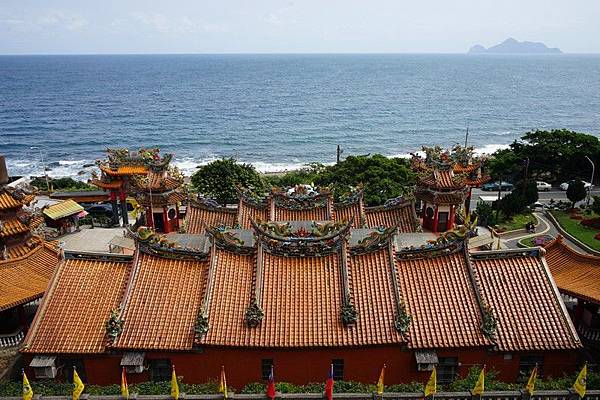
(12, 339)
(490, 395)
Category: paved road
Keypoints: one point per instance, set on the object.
(544, 197)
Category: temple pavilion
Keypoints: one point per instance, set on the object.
(444, 183)
(26, 260)
(296, 280)
(148, 177)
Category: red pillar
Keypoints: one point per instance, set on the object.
(176, 217)
(149, 217)
(451, 217)
(435, 220)
(166, 220)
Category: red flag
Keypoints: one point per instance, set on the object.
(329, 384)
(271, 385)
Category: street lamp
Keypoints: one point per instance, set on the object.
(43, 165)
(591, 180)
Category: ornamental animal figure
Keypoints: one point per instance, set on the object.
(460, 232)
(325, 228)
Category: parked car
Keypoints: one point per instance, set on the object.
(493, 186)
(100, 210)
(565, 185)
(543, 186)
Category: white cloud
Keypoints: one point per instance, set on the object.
(54, 20)
(160, 23)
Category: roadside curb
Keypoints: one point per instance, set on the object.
(572, 238)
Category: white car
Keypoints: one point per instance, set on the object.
(543, 186)
(565, 185)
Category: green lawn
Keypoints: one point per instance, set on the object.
(583, 233)
(516, 222)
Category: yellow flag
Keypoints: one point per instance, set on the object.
(531, 382)
(124, 387)
(380, 381)
(27, 390)
(580, 382)
(174, 385)
(431, 387)
(78, 385)
(223, 383)
(479, 386)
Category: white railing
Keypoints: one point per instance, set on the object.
(592, 334)
(12, 339)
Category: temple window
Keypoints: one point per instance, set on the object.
(265, 368)
(338, 369)
(160, 369)
(526, 364)
(447, 370)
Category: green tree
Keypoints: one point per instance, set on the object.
(485, 213)
(511, 204)
(576, 191)
(382, 177)
(528, 191)
(218, 179)
(555, 155)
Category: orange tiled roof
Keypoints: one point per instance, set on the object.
(350, 211)
(443, 198)
(530, 313)
(12, 226)
(162, 304)
(402, 215)
(161, 181)
(19, 250)
(442, 179)
(8, 201)
(159, 199)
(302, 297)
(198, 216)
(248, 211)
(126, 170)
(576, 274)
(442, 302)
(24, 278)
(460, 169)
(301, 300)
(78, 303)
(229, 301)
(374, 297)
(309, 214)
(115, 184)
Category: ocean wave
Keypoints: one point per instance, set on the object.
(82, 169)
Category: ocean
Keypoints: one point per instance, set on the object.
(280, 112)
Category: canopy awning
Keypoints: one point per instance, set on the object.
(426, 357)
(132, 359)
(42, 361)
(63, 209)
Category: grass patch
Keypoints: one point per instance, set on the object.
(516, 221)
(572, 226)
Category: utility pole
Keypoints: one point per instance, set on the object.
(339, 153)
(467, 137)
(591, 180)
(526, 170)
(43, 165)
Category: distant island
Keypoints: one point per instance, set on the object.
(513, 46)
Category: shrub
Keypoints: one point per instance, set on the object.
(219, 178)
(593, 223)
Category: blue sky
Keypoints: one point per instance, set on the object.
(259, 26)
